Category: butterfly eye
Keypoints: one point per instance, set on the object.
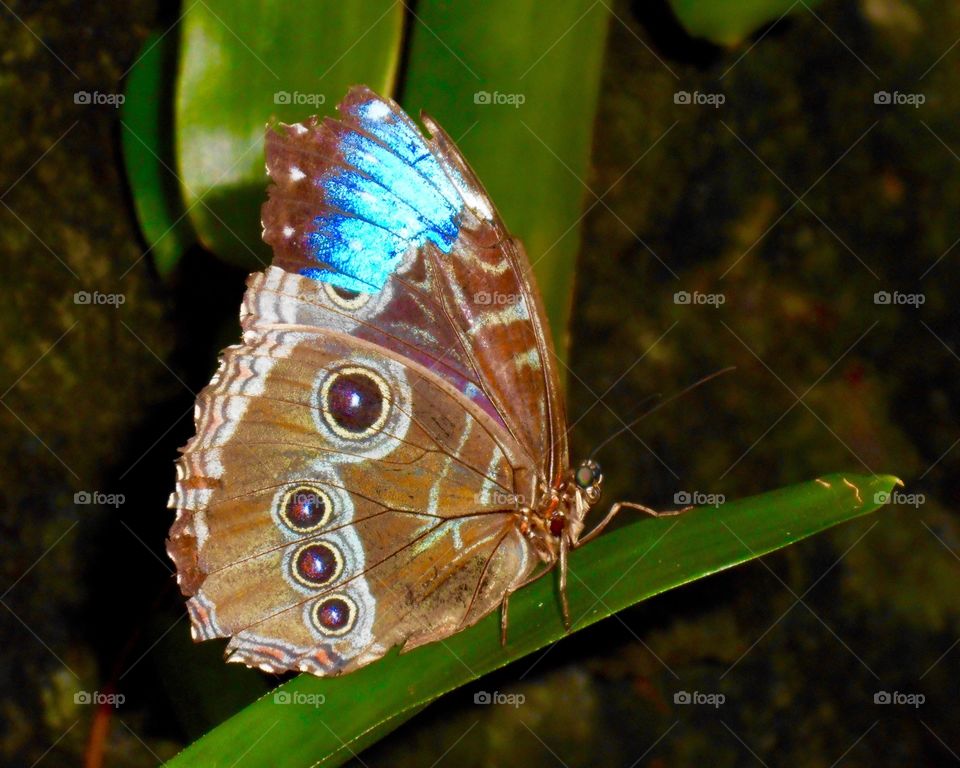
(354, 402)
(587, 474)
(343, 298)
(305, 509)
(334, 615)
(317, 564)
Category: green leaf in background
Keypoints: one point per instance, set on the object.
(329, 720)
(515, 85)
(243, 63)
(147, 144)
(727, 22)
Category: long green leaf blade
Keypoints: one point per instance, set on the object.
(728, 23)
(522, 113)
(245, 62)
(310, 719)
(147, 144)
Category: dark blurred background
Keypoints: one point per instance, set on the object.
(822, 213)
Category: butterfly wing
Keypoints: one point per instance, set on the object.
(461, 289)
(360, 457)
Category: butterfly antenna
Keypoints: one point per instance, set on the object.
(661, 404)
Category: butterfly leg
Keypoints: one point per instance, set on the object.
(504, 607)
(565, 606)
(505, 604)
(629, 505)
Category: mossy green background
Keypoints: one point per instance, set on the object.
(885, 617)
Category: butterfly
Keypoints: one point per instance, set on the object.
(383, 459)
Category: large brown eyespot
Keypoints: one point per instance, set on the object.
(305, 508)
(354, 402)
(314, 565)
(334, 615)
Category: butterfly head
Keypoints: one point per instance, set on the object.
(567, 504)
(588, 478)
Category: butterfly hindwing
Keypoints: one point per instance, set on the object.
(289, 497)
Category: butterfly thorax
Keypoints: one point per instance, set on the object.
(559, 512)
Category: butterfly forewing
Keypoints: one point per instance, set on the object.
(469, 301)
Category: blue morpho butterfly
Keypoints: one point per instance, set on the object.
(383, 459)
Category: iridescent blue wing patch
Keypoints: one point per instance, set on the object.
(352, 197)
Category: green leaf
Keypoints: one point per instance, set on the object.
(533, 158)
(243, 63)
(147, 145)
(727, 22)
(291, 727)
